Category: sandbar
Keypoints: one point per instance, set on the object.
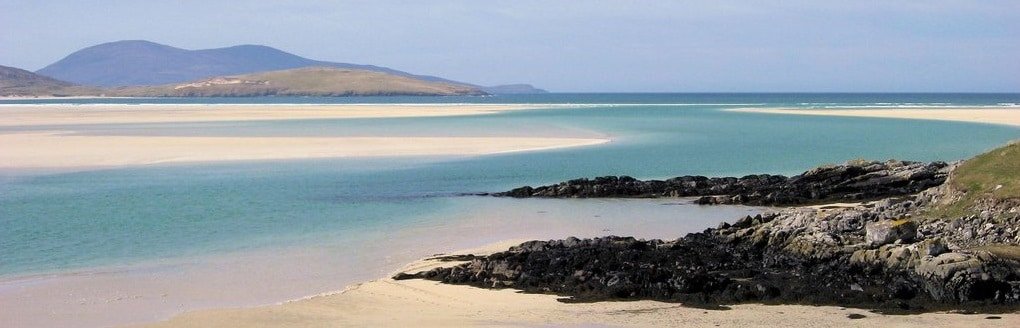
(989, 115)
(40, 148)
(66, 114)
(57, 150)
(419, 303)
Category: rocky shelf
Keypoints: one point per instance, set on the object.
(855, 181)
(888, 255)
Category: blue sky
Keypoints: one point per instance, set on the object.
(625, 46)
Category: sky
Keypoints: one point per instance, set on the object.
(575, 46)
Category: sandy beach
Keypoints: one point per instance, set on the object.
(64, 150)
(24, 115)
(54, 150)
(989, 115)
(420, 303)
(158, 290)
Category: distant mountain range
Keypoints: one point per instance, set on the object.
(144, 63)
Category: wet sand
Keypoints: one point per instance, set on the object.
(389, 303)
(61, 148)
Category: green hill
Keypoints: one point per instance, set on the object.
(311, 81)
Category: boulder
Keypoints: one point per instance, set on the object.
(888, 231)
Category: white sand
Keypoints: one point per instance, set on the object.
(63, 150)
(22, 115)
(52, 150)
(419, 303)
(995, 115)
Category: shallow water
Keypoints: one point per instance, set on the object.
(56, 222)
(137, 244)
(156, 289)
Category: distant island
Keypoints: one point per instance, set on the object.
(310, 81)
(137, 68)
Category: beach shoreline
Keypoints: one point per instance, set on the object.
(988, 115)
(605, 314)
(158, 289)
(426, 303)
(78, 114)
(63, 149)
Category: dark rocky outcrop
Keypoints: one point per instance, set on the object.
(854, 181)
(882, 255)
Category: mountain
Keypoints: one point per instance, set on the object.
(509, 89)
(138, 62)
(307, 81)
(22, 83)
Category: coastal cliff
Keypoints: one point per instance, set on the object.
(924, 246)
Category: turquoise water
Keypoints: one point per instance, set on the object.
(56, 222)
(802, 99)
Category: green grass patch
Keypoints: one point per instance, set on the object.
(995, 175)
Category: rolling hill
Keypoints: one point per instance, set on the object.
(16, 82)
(138, 62)
(307, 81)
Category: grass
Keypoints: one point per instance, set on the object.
(994, 175)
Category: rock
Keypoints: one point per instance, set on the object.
(849, 182)
(965, 277)
(865, 257)
(932, 247)
(888, 231)
(883, 255)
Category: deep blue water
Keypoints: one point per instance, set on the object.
(72, 220)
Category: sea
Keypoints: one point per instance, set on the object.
(362, 218)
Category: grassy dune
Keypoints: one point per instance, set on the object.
(989, 178)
